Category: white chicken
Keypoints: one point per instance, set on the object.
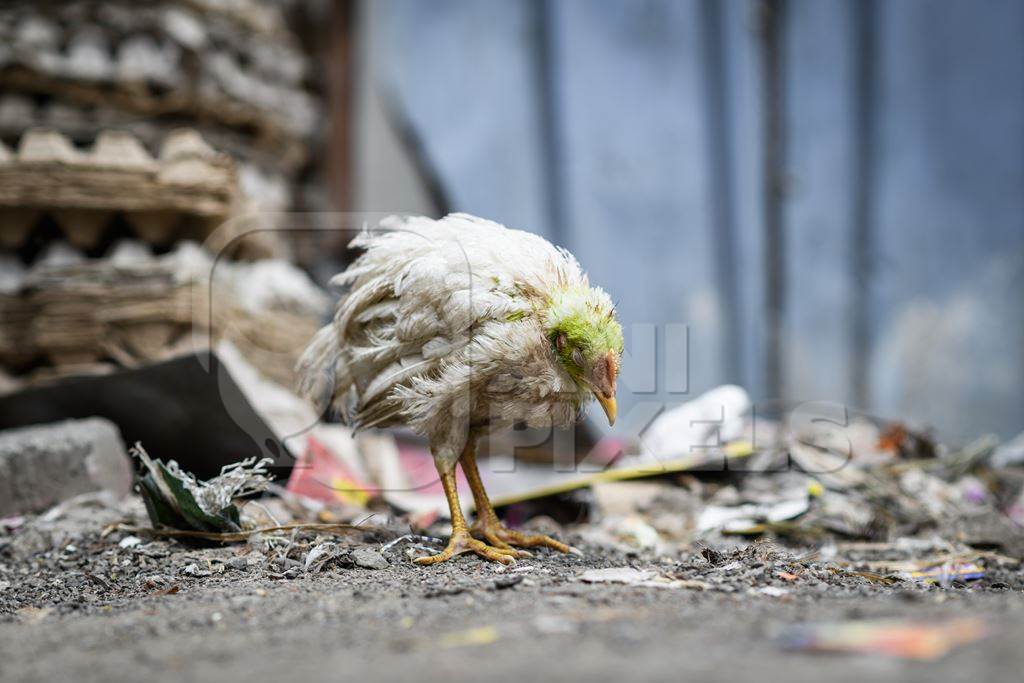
(459, 327)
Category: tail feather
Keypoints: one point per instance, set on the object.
(321, 369)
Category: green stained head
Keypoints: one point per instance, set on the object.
(587, 340)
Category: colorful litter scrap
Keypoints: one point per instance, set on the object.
(902, 639)
(945, 573)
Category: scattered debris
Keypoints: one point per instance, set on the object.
(902, 639)
(709, 421)
(331, 473)
(750, 518)
(1010, 453)
(319, 556)
(177, 500)
(195, 570)
(899, 439)
(368, 558)
(991, 529)
(945, 573)
(129, 542)
(643, 578)
(508, 581)
(419, 541)
(627, 575)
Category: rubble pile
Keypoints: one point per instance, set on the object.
(797, 520)
(868, 482)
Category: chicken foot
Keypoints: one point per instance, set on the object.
(461, 540)
(487, 523)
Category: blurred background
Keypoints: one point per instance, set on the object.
(828, 193)
(821, 198)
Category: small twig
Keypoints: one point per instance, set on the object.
(244, 534)
(366, 518)
(291, 543)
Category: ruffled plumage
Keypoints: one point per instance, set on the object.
(442, 329)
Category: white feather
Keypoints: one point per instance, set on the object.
(431, 313)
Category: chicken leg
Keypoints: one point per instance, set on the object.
(461, 541)
(487, 523)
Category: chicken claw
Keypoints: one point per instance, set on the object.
(489, 526)
(461, 542)
(501, 536)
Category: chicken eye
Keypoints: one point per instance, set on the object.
(577, 357)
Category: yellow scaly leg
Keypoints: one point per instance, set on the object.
(461, 541)
(489, 526)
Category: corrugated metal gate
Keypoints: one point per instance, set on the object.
(829, 194)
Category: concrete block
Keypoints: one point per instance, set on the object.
(43, 465)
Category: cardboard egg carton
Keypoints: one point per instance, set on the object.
(97, 315)
(169, 59)
(187, 191)
(275, 173)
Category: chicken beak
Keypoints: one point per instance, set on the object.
(610, 407)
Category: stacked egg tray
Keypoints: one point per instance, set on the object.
(231, 69)
(94, 316)
(52, 190)
(193, 61)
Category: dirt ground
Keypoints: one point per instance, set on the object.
(78, 606)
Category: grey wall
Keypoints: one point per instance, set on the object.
(828, 193)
